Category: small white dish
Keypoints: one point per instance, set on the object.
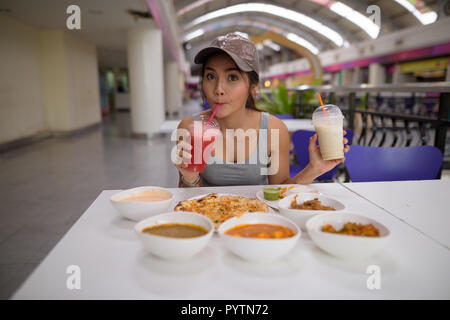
(300, 217)
(297, 189)
(255, 249)
(174, 248)
(345, 246)
(139, 210)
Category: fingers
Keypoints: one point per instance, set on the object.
(346, 149)
(184, 145)
(312, 142)
(345, 141)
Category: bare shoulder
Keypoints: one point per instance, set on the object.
(184, 124)
(275, 123)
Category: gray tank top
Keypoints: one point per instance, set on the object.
(248, 172)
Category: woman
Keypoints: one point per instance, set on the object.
(230, 76)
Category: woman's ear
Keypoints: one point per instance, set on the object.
(253, 89)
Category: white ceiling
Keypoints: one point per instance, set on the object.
(104, 22)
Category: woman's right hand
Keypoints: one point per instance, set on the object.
(184, 152)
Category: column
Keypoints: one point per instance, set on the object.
(172, 87)
(347, 77)
(357, 76)
(377, 74)
(145, 66)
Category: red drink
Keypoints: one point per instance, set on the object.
(202, 135)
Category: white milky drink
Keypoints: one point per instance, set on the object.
(330, 142)
(328, 122)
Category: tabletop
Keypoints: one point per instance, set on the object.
(422, 204)
(112, 264)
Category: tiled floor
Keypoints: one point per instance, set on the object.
(45, 187)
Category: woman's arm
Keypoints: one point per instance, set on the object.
(190, 176)
(316, 166)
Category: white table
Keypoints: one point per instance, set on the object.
(292, 125)
(114, 266)
(421, 204)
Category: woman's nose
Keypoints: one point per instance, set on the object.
(219, 89)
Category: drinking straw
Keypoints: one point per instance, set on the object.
(321, 102)
(214, 112)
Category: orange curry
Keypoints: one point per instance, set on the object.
(267, 231)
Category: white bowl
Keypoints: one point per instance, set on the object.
(300, 217)
(259, 250)
(345, 246)
(174, 248)
(139, 210)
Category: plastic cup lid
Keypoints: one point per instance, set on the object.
(331, 111)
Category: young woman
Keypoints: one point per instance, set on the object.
(230, 76)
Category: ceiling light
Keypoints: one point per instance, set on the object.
(302, 42)
(424, 18)
(272, 10)
(194, 34)
(357, 18)
(272, 45)
(242, 34)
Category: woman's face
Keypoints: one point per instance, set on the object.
(224, 83)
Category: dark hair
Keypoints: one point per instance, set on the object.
(253, 79)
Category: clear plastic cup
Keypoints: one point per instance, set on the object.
(328, 122)
(202, 135)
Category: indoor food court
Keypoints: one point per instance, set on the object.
(224, 150)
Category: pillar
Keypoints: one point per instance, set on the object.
(172, 87)
(347, 77)
(377, 74)
(145, 66)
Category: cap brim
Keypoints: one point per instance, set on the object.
(203, 55)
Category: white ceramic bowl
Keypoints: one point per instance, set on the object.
(344, 246)
(259, 250)
(300, 217)
(174, 248)
(139, 210)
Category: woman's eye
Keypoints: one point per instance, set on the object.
(210, 76)
(233, 77)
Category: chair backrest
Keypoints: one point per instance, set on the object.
(284, 116)
(393, 163)
(300, 139)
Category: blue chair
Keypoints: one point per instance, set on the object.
(393, 163)
(284, 116)
(300, 139)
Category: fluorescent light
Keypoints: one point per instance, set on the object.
(424, 18)
(357, 18)
(272, 45)
(276, 11)
(242, 34)
(194, 34)
(300, 41)
(192, 6)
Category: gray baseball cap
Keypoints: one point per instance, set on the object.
(240, 49)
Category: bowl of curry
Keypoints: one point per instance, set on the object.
(303, 206)
(142, 202)
(348, 235)
(175, 235)
(259, 237)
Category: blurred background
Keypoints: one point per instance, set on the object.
(91, 90)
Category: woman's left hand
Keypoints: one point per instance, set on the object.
(316, 161)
